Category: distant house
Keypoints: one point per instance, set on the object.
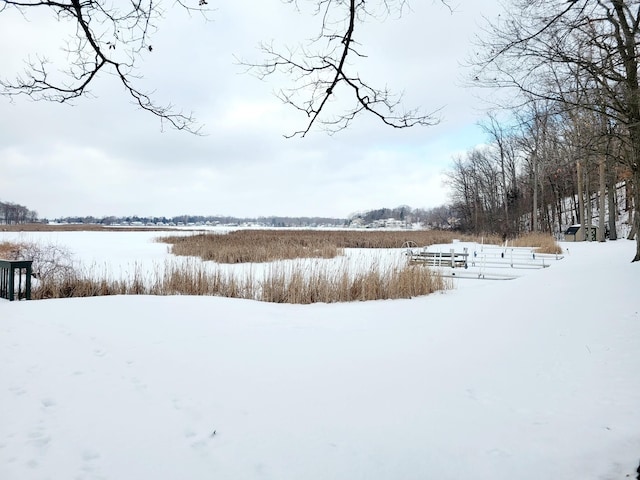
(393, 223)
(576, 233)
(388, 223)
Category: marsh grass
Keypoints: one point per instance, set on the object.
(252, 246)
(9, 250)
(293, 283)
(259, 246)
(297, 284)
(296, 266)
(542, 242)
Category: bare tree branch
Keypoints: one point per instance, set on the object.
(107, 38)
(321, 76)
(111, 38)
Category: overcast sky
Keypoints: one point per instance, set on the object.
(103, 156)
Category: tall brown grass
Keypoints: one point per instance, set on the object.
(253, 246)
(542, 242)
(9, 250)
(316, 284)
(257, 246)
(293, 283)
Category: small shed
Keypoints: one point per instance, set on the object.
(576, 233)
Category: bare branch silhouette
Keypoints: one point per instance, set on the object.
(323, 75)
(106, 39)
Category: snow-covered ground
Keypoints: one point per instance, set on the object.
(533, 378)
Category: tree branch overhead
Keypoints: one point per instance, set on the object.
(113, 37)
(318, 77)
(106, 39)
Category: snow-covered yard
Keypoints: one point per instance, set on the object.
(533, 378)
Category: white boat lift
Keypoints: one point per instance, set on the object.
(473, 264)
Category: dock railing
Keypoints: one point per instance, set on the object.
(15, 279)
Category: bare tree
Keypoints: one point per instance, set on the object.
(555, 49)
(12, 213)
(507, 158)
(526, 171)
(476, 191)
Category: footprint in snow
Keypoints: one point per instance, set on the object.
(39, 439)
(18, 391)
(90, 455)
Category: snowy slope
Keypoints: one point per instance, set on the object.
(535, 378)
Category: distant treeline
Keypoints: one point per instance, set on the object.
(438, 218)
(273, 221)
(402, 213)
(441, 217)
(12, 213)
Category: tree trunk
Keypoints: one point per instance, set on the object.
(554, 218)
(613, 208)
(505, 198)
(559, 212)
(580, 213)
(534, 211)
(588, 214)
(631, 199)
(601, 196)
(635, 169)
(636, 214)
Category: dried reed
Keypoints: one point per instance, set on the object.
(292, 283)
(542, 242)
(252, 246)
(9, 250)
(257, 246)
